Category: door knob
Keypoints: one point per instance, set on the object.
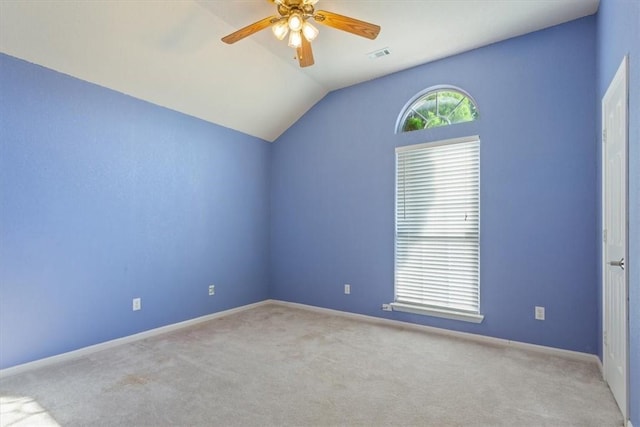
(617, 263)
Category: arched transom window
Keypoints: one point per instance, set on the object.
(437, 106)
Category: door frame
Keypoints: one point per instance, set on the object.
(621, 73)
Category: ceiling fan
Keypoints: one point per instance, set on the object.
(293, 18)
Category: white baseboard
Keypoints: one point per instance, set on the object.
(575, 355)
(600, 367)
(120, 341)
(164, 329)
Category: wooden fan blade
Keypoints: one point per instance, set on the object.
(344, 23)
(305, 54)
(248, 30)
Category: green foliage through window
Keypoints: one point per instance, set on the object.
(440, 107)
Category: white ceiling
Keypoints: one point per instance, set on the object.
(169, 52)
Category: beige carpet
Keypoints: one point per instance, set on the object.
(275, 365)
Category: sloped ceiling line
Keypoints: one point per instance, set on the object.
(169, 52)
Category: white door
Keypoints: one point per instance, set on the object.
(614, 219)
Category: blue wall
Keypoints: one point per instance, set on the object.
(104, 198)
(333, 189)
(618, 23)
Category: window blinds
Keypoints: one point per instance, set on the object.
(437, 225)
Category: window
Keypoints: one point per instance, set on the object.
(439, 106)
(437, 253)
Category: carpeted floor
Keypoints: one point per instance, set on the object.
(275, 365)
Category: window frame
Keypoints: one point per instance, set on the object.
(408, 107)
(434, 309)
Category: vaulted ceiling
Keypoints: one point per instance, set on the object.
(169, 52)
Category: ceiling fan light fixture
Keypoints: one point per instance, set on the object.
(293, 18)
(280, 29)
(309, 31)
(295, 21)
(295, 39)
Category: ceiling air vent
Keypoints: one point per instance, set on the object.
(379, 53)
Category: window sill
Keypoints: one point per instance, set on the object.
(434, 312)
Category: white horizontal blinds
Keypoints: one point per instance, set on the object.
(437, 225)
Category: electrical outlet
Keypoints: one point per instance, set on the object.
(539, 313)
(347, 289)
(212, 290)
(137, 304)
(387, 307)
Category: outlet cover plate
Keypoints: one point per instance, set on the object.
(137, 304)
(539, 312)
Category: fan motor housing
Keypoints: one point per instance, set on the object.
(287, 7)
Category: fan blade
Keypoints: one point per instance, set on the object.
(248, 30)
(350, 25)
(305, 54)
